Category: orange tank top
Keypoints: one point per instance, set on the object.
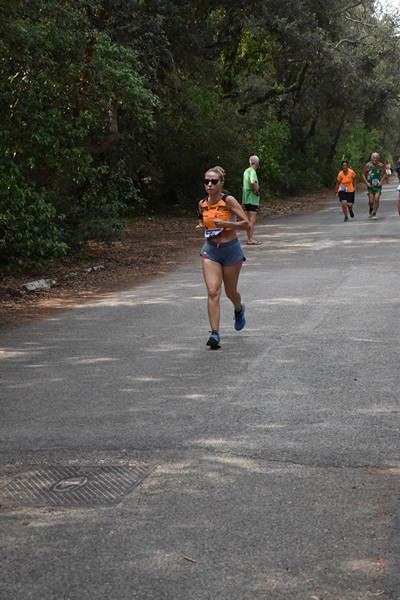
(215, 211)
(346, 181)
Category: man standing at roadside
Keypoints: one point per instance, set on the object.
(374, 174)
(251, 197)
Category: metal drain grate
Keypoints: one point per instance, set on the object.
(72, 486)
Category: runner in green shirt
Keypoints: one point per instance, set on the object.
(251, 197)
(374, 174)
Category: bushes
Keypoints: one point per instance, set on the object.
(99, 209)
(114, 108)
(195, 130)
(63, 90)
(29, 231)
(357, 145)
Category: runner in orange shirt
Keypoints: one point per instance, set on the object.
(220, 217)
(346, 187)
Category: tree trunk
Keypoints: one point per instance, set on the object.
(113, 138)
(335, 141)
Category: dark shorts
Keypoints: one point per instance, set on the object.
(374, 190)
(250, 207)
(227, 254)
(346, 197)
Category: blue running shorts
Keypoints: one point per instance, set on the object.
(227, 254)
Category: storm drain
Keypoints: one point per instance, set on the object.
(72, 486)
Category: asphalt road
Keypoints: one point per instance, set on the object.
(273, 463)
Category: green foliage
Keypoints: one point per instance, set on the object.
(57, 87)
(112, 75)
(102, 208)
(272, 145)
(29, 232)
(115, 108)
(357, 146)
(195, 131)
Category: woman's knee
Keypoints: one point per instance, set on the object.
(234, 297)
(214, 292)
(231, 291)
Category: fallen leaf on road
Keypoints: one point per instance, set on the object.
(189, 559)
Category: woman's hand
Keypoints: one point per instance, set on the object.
(219, 223)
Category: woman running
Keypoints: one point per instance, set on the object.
(220, 215)
(346, 186)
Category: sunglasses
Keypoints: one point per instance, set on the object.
(213, 181)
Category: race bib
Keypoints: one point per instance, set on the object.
(212, 232)
(374, 182)
(343, 188)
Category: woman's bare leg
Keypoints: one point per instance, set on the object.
(231, 277)
(212, 272)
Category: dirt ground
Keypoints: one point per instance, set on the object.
(150, 248)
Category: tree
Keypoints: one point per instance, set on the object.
(115, 108)
(62, 88)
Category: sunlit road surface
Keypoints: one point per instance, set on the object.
(274, 462)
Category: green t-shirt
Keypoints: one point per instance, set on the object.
(248, 196)
(374, 174)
